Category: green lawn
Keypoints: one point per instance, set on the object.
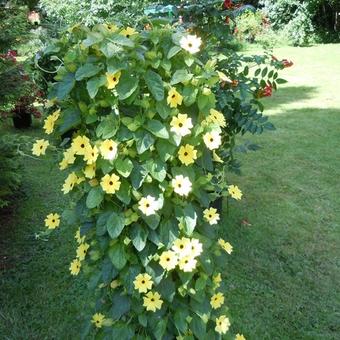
(283, 276)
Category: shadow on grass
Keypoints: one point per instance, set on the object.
(290, 94)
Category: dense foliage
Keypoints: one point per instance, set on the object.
(10, 178)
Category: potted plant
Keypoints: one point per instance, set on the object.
(19, 92)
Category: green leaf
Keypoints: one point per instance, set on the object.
(107, 127)
(95, 197)
(160, 328)
(163, 109)
(87, 71)
(121, 40)
(157, 169)
(281, 81)
(138, 176)
(167, 288)
(152, 221)
(264, 72)
(190, 219)
(121, 306)
(70, 119)
(110, 49)
(190, 95)
(115, 224)
(180, 320)
(94, 84)
(138, 235)
(157, 128)
(127, 85)
(118, 255)
(173, 51)
(92, 38)
(181, 76)
(124, 166)
(165, 149)
(65, 86)
(143, 141)
(122, 331)
(124, 193)
(155, 84)
(198, 327)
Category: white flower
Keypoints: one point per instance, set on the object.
(148, 205)
(191, 43)
(181, 185)
(196, 247)
(212, 140)
(181, 125)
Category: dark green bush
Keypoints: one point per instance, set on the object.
(10, 178)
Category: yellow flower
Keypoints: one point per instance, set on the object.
(211, 215)
(217, 118)
(187, 263)
(80, 239)
(56, 114)
(114, 284)
(69, 158)
(128, 32)
(181, 185)
(152, 301)
(39, 147)
(91, 154)
(191, 43)
(52, 221)
(225, 246)
(98, 319)
(168, 260)
(187, 154)
(75, 267)
(217, 300)
(80, 180)
(108, 149)
(111, 27)
(80, 144)
(182, 247)
(143, 283)
(49, 124)
(112, 79)
(196, 247)
(148, 205)
(69, 183)
(181, 125)
(174, 98)
(240, 337)
(82, 251)
(90, 171)
(222, 324)
(235, 192)
(212, 140)
(217, 279)
(217, 158)
(110, 183)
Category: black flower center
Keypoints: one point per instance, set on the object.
(152, 299)
(110, 148)
(173, 96)
(211, 139)
(82, 145)
(185, 153)
(143, 281)
(147, 205)
(114, 78)
(111, 183)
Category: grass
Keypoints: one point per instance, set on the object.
(283, 276)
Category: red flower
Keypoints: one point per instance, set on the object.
(227, 20)
(228, 4)
(287, 63)
(267, 91)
